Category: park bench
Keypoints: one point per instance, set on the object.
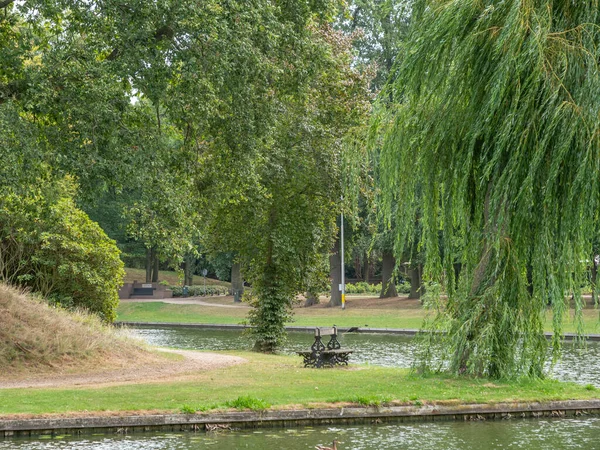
(325, 355)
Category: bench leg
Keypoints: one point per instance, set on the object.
(311, 360)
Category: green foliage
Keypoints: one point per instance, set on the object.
(403, 288)
(200, 290)
(233, 116)
(278, 208)
(52, 247)
(493, 141)
(187, 409)
(373, 400)
(362, 287)
(247, 402)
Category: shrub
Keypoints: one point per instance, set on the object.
(50, 246)
(362, 287)
(403, 288)
(199, 290)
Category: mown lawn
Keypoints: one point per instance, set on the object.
(280, 382)
(352, 316)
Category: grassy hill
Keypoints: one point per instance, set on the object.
(169, 276)
(37, 338)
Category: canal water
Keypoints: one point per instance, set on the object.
(534, 434)
(581, 366)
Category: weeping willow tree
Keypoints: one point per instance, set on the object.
(493, 140)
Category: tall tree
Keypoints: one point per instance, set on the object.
(281, 216)
(496, 117)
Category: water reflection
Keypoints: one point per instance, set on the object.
(388, 350)
(529, 434)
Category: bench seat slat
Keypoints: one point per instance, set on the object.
(325, 331)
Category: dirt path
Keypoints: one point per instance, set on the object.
(170, 369)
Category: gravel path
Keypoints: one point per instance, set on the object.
(170, 370)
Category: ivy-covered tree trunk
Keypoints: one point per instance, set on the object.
(388, 287)
(272, 303)
(335, 275)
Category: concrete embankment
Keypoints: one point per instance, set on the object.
(297, 417)
(366, 330)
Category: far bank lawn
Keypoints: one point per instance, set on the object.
(280, 381)
(358, 313)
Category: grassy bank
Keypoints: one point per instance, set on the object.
(359, 313)
(281, 382)
(35, 337)
(169, 276)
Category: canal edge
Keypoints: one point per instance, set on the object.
(311, 329)
(297, 417)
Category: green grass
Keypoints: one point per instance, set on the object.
(164, 312)
(169, 276)
(280, 381)
(374, 318)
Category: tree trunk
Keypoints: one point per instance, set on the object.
(593, 280)
(415, 282)
(273, 304)
(335, 275)
(457, 269)
(154, 266)
(357, 268)
(367, 268)
(237, 282)
(388, 287)
(311, 299)
(188, 273)
(148, 265)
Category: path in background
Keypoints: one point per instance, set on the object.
(188, 301)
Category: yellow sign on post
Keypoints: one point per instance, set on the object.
(343, 300)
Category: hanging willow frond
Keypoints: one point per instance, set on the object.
(497, 128)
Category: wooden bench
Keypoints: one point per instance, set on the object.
(325, 355)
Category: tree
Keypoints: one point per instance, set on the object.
(281, 216)
(496, 114)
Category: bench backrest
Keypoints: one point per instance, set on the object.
(326, 331)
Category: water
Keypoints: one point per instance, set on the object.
(389, 350)
(531, 434)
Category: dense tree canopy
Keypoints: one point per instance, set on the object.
(496, 120)
(221, 118)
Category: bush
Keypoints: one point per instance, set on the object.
(50, 246)
(199, 290)
(362, 287)
(403, 288)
